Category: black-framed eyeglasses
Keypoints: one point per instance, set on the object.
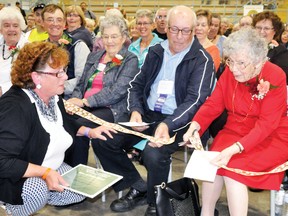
(59, 74)
(176, 30)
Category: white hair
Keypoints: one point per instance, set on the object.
(113, 12)
(12, 13)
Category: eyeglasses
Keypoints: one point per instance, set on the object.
(161, 17)
(266, 29)
(72, 15)
(143, 24)
(176, 30)
(113, 37)
(239, 65)
(54, 20)
(59, 74)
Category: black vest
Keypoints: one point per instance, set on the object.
(71, 49)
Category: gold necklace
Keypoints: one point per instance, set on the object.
(233, 106)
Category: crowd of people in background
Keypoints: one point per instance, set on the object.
(155, 66)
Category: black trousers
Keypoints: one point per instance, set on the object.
(78, 152)
(113, 157)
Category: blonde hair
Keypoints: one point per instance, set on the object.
(76, 9)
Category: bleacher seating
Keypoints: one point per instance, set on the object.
(232, 10)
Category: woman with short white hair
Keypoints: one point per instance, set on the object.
(254, 138)
(12, 24)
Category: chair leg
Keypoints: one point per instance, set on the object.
(185, 154)
(170, 173)
(272, 202)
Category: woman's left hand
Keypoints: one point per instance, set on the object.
(224, 157)
(96, 133)
(76, 101)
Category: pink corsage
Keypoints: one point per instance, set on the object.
(263, 88)
(63, 41)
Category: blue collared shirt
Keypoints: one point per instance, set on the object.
(167, 72)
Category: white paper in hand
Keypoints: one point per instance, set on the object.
(199, 166)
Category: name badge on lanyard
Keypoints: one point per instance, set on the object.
(165, 87)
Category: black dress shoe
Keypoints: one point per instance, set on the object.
(151, 210)
(256, 190)
(128, 202)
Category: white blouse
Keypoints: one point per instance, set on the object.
(60, 139)
(5, 65)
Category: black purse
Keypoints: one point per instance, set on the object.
(178, 198)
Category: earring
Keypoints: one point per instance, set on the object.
(38, 86)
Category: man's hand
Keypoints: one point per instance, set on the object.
(162, 132)
(136, 117)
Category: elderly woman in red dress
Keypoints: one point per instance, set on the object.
(255, 137)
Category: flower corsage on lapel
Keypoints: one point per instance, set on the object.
(116, 61)
(13, 50)
(260, 88)
(272, 44)
(64, 40)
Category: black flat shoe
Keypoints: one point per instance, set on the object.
(256, 190)
(128, 202)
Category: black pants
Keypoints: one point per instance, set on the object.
(78, 152)
(113, 157)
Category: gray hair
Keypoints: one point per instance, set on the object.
(145, 13)
(246, 40)
(114, 21)
(182, 9)
(113, 12)
(12, 13)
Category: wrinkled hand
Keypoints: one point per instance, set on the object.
(76, 101)
(162, 132)
(136, 117)
(224, 157)
(192, 137)
(96, 133)
(54, 181)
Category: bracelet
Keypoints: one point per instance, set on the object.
(44, 176)
(239, 146)
(86, 132)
